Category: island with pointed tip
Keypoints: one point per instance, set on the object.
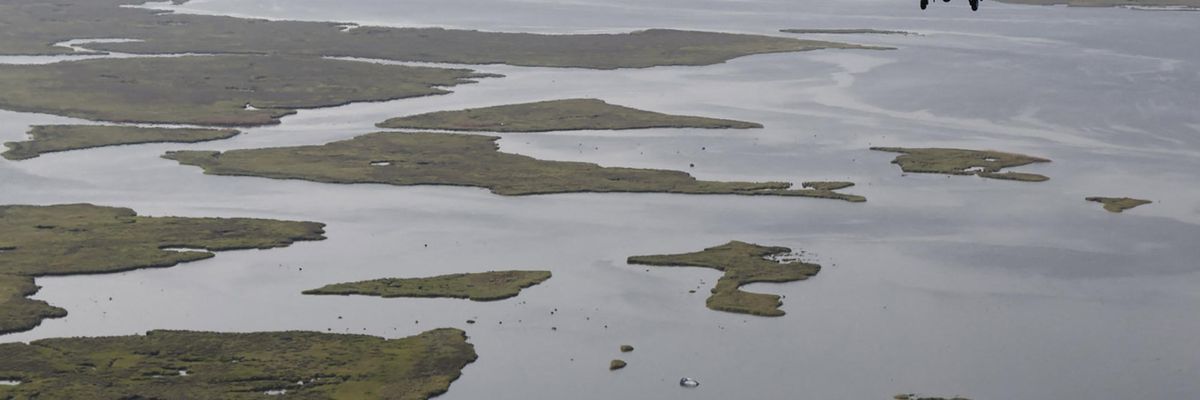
(55, 138)
(34, 27)
(479, 286)
(1118, 204)
(425, 158)
(220, 65)
(212, 90)
(743, 263)
(982, 163)
(556, 115)
(846, 32)
(79, 239)
(209, 365)
(914, 396)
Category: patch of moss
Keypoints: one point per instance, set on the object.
(463, 160)
(32, 26)
(743, 264)
(556, 115)
(207, 365)
(1118, 204)
(481, 286)
(55, 138)
(985, 164)
(616, 364)
(845, 31)
(86, 239)
(211, 90)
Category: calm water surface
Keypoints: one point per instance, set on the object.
(990, 289)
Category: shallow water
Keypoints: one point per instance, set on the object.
(81, 46)
(939, 285)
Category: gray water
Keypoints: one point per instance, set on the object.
(960, 285)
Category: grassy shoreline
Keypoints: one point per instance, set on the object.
(981, 163)
(79, 239)
(743, 263)
(556, 115)
(59, 138)
(479, 286)
(424, 158)
(210, 365)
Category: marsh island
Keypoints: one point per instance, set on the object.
(557, 115)
(743, 264)
(845, 31)
(1118, 204)
(211, 90)
(34, 27)
(913, 396)
(86, 239)
(983, 163)
(424, 158)
(480, 286)
(208, 365)
(54, 138)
